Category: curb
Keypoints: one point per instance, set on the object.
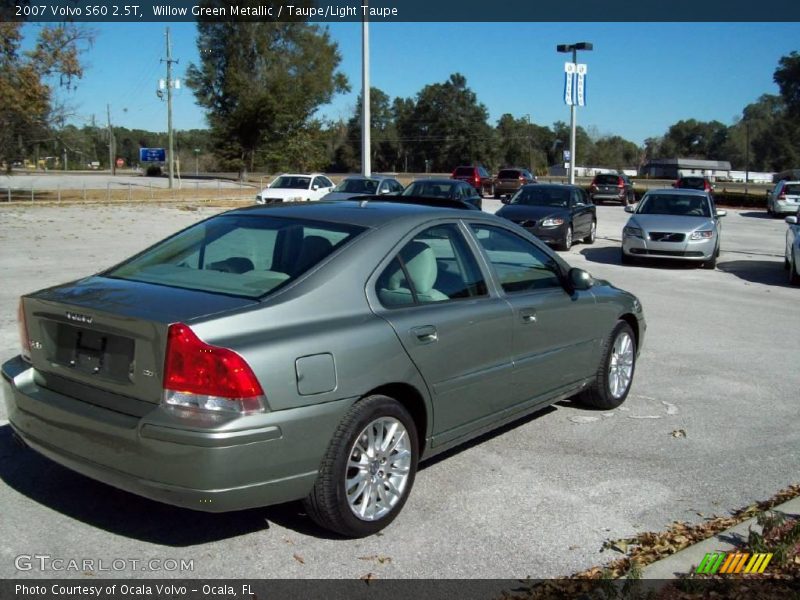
(685, 561)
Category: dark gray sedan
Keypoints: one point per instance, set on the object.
(556, 214)
(314, 352)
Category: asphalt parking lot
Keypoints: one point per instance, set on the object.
(538, 498)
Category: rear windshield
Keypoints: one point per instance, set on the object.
(292, 183)
(793, 189)
(673, 204)
(357, 186)
(465, 171)
(539, 195)
(431, 189)
(606, 179)
(243, 255)
(508, 174)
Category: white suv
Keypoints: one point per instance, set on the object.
(791, 256)
(784, 198)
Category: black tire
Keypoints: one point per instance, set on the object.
(566, 242)
(794, 278)
(496, 196)
(626, 259)
(711, 263)
(786, 264)
(589, 239)
(327, 503)
(599, 394)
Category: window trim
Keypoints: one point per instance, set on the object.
(489, 266)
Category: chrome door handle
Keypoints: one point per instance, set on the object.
(528, 316)
(426, 334)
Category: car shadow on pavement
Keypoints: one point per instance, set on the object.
(113, 510)
(610, 255)
(758, 214)
(768, 272)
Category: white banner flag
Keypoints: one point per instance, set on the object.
(569, 83)
(580, 86)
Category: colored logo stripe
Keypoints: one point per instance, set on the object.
(733, 562)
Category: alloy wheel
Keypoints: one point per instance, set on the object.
(620, 365)
(378, 469)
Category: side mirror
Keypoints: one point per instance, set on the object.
(721, 212)
(630, 208)
(385, 191)
(315, 187)
(505, 199)
(791, 220)
(579, 279)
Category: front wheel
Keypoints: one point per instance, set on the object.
(566, 242)
(368, 471)
(615, 374)
(711, 263)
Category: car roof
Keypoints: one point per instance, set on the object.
(679, 192)
(373, 177)
(364, 213)
(299, 175)
(544, 186)
(446, 180)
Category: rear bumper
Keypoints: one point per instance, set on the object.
(783, 207)
(247, 462)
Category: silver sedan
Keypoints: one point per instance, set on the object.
(673, 224)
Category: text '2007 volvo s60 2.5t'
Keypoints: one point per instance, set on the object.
(313, 352)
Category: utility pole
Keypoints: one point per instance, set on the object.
(111, 143)
(746, 156)
(170, 83)
(530, 146)
(366, 120)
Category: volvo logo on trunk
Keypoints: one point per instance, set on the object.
(79, 317)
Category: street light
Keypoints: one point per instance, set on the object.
(566, 48)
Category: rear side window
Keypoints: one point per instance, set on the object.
(436, 266)
(243, 255)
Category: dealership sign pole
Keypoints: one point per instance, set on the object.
(574, 94)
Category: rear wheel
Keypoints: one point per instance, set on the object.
(589, 239)
(368, 471)
(566, 242)
(615, 373)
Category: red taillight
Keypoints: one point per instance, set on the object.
(782, 195)
(24, 340)
(620, 183)
(199, 375)
(594, 187)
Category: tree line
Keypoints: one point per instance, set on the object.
(262, 83)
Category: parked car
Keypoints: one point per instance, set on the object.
(612, 186)
(452, 189)
(315, 351)
(693, 182)
(674, 224)
(784, 198)
(478, 177)
(508, 181)
(791, 255)
(357, 185)
(557, 214)
(295, 187)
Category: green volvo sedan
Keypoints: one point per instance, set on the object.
(315, 352)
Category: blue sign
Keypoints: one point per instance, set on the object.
(152, 155)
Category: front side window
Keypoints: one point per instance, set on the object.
(518, 264)
(436, 266)
(243, 255)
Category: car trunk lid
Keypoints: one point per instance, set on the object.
(109, 335)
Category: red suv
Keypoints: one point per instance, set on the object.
(477, 177)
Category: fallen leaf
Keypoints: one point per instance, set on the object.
(678, 433)
(298, 558)
(367, 578)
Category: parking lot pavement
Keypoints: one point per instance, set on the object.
(537, 498)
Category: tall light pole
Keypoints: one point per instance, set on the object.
(170, 149)
(573, 48)
(366, 121)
